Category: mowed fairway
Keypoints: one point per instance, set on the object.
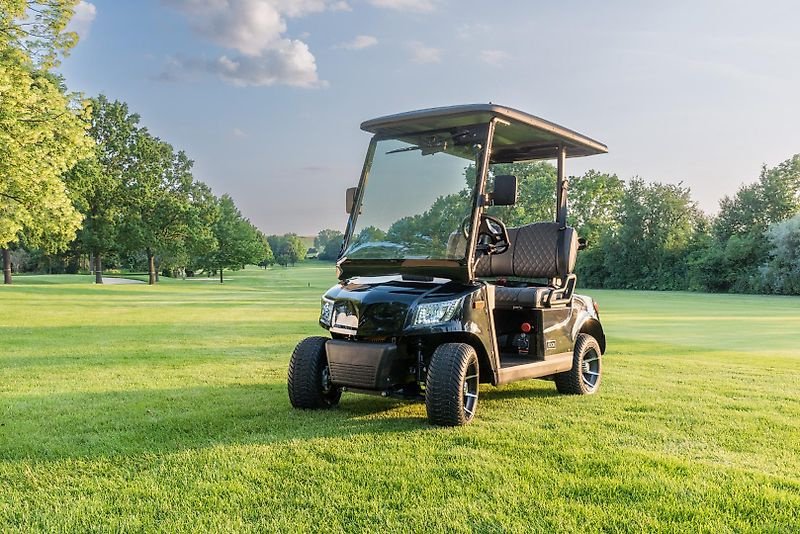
(164, 408)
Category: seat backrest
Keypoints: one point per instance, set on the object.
(537, 250)
(456, 245)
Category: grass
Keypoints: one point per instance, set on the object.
(131, 407)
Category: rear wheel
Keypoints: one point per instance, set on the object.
(584, 377)
(309, 379)
(451, 388)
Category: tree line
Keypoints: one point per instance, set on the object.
(641, 235)
(82, 178)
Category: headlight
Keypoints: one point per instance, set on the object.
(326, 313)
(436, 312)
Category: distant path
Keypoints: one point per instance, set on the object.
(111, 280)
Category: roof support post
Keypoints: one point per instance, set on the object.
(561, 187)
(479, 197)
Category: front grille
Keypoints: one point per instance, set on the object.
(353, 374)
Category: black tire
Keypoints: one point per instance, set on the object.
(587, 368)
(309, 381)
(451, 388)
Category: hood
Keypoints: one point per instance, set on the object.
(379, 305)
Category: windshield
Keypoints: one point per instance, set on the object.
(417, 200)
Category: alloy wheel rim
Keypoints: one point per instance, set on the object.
(470, 391)
(590, 369)
(326, 381)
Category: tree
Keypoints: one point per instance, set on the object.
(781, 274)
(288, 249)
(238, 242)
(38, 28)
(658, 225)
(328, 242)
(96, 182)
(595, 201)
(775, 197)
(734, 260)
(157, 188)
(41, 137)
(536, 198)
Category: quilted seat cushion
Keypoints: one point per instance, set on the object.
(526, 297)
(537, 250)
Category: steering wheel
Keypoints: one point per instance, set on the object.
(492, 235)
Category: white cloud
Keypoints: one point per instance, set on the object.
(420, 6)
(493, 57)
(256, 30)
(238, 132)
(84, 15)
(424, 54)
(290, 62)
(359, 43)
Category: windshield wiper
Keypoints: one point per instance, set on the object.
(406, 149)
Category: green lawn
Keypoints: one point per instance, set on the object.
(131, 407)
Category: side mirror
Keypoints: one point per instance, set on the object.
(582, 243)
(350, 199)
(505, 190)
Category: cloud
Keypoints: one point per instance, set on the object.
(359, 43)
(237, 132)
(493, 57)
(419, 6)
(255, 30)
(290, 62)
(84, 15)
(421, 53)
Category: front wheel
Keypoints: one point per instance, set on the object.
(309, 379)
(584, 377)
(451, 388)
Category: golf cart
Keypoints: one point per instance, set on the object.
(436, 295)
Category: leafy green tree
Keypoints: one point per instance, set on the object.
(96, 183)
(328, 242)
(775, 197)
(371, 234)
(734, 260)
(238, 242)
(38, 27)
(42, 135)
(595, 201)
(536, 197)
(781, 274)
(158, 213)
(288, 249)
(658, 225)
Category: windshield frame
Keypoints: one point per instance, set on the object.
(454, 269)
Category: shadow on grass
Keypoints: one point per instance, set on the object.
(89, 425)
(525, 390)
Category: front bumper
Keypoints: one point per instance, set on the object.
(374, 366)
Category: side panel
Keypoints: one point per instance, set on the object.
(556, 331)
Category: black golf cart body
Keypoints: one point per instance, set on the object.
(506, 293)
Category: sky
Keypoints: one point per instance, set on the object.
(266, 96)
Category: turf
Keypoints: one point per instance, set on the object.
(129, 407)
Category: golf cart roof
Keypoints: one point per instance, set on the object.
(524, 137)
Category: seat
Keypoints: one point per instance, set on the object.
(525, 297)
(537, 250)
